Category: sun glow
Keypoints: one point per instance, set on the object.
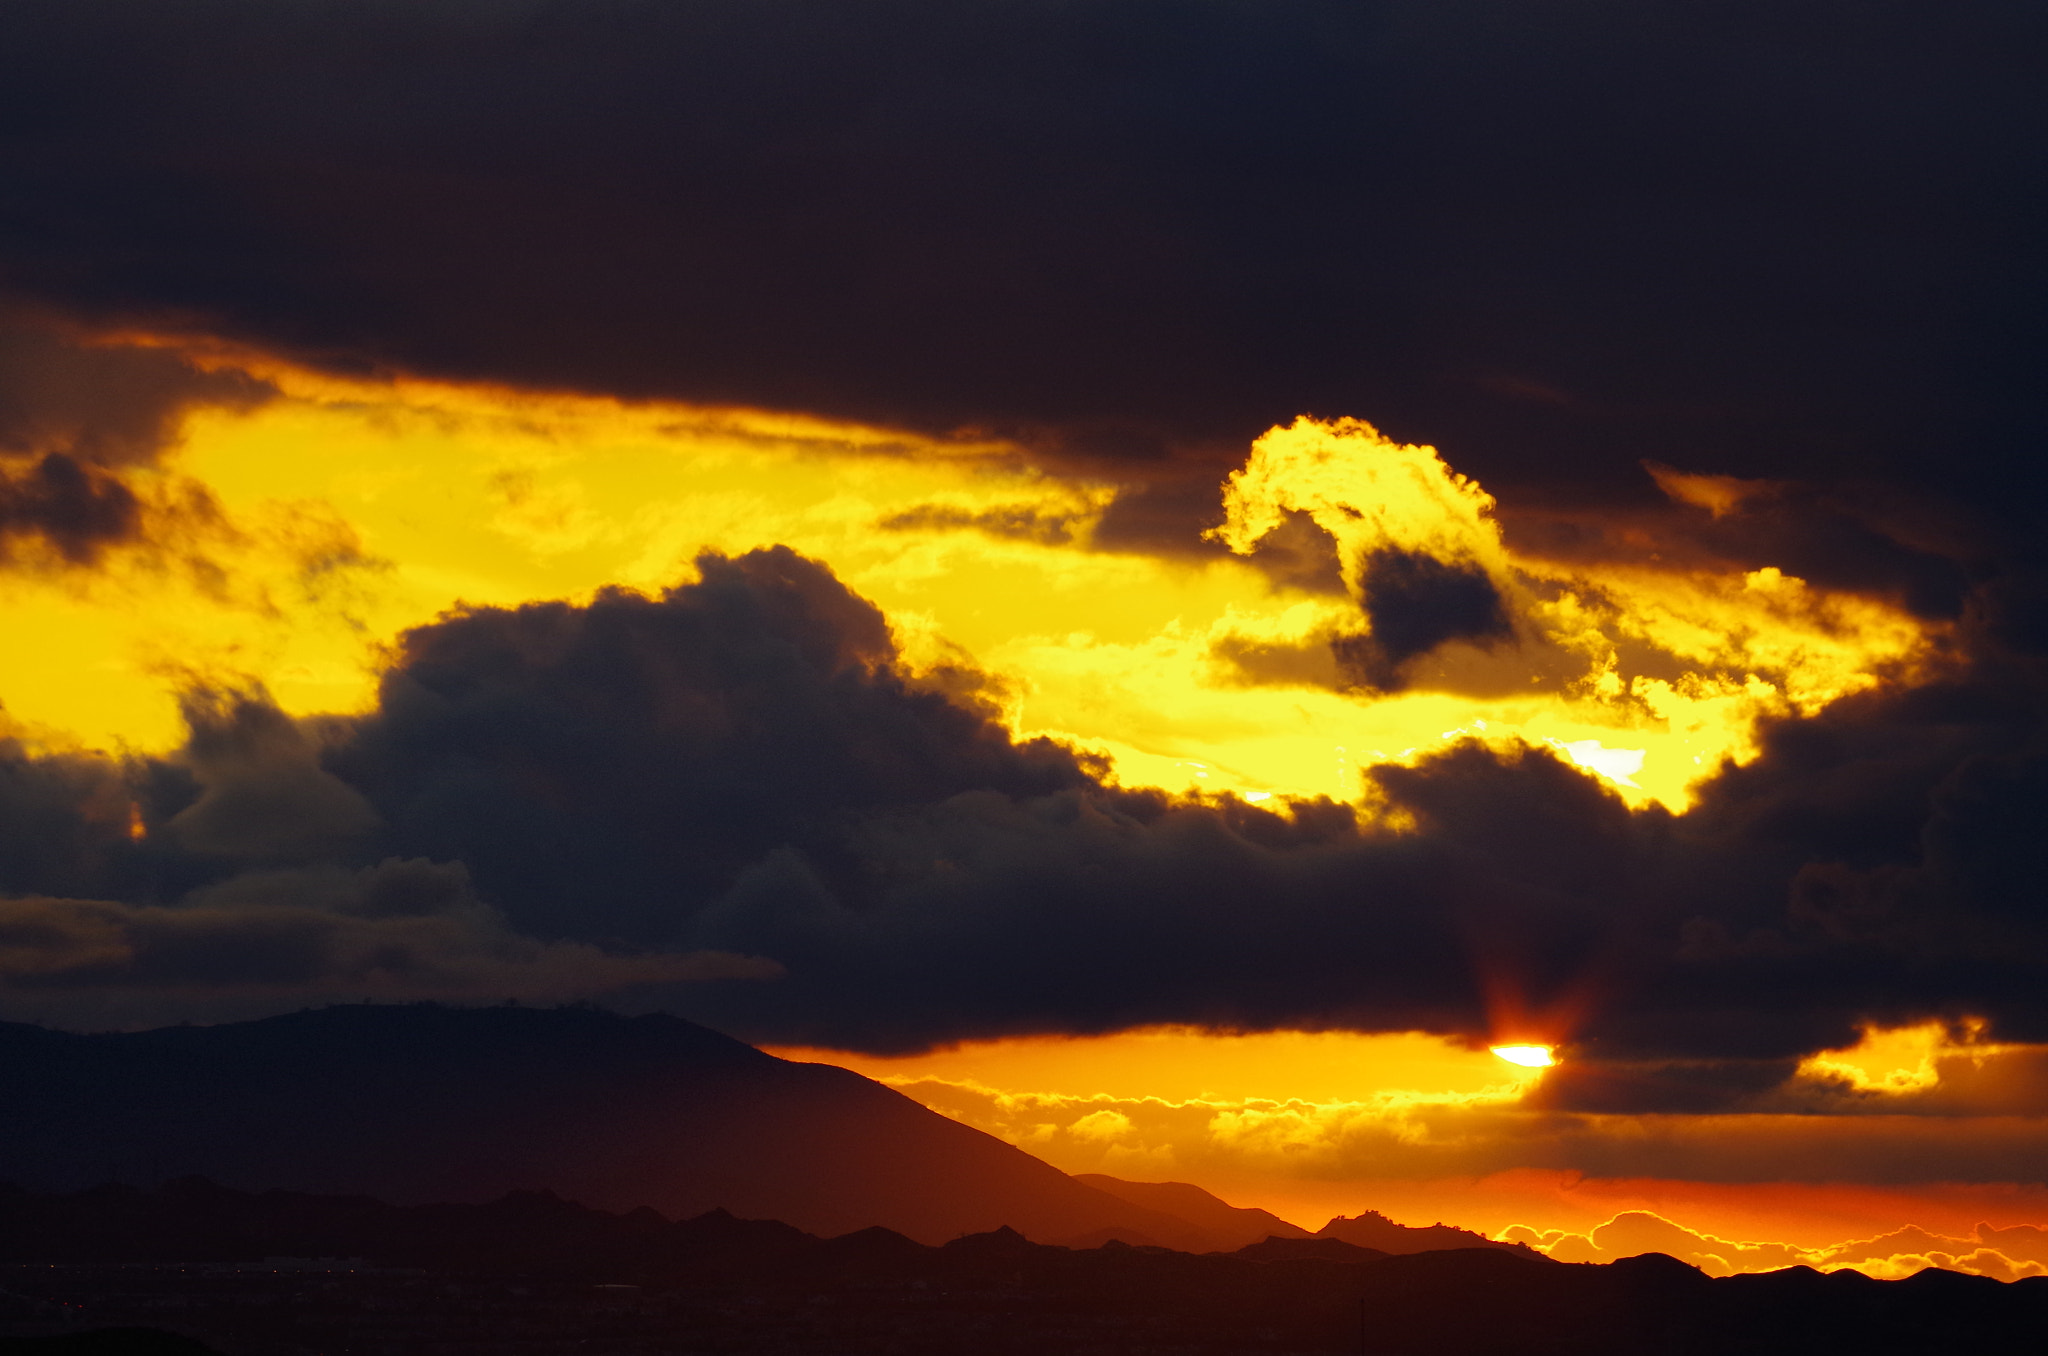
(1528, 1056)
(1187, 1064)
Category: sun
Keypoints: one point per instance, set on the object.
(1528, 1056)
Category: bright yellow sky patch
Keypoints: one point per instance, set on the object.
(1184, 1064)
(351, 511)
(1899, 1060)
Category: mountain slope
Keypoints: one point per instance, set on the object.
(424, 1103)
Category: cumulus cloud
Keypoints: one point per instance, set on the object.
(608, 770)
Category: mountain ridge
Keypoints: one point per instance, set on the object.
(1371, 1229)
(418, 1103)
(1231, 1226)
(236, 1268)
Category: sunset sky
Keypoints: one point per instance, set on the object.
(1158, 574)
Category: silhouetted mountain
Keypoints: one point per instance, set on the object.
(1308, 1249)
(1228, 1226)
(545, 1277)
(1374, 1230)
(426, 1103)
(194, 1221)
(1476, 1302)
(1119, 1238)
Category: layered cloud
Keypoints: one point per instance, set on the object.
(214, 886)
(398, 931)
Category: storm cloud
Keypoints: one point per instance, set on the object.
(1789, 241)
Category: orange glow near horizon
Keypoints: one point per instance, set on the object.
(1811, 1218)
(1315, 1125)
(1186, 1064)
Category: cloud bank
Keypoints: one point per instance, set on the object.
(744, 766)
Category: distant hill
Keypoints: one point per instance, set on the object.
(1374, 1230)
(1233, 1227)
(1229, 1227)
(425, 1103)
(280, 1272)
(1308, 1249)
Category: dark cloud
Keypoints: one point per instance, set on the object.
(922, 879)
(100, 404)
(1430, 624)
(1023, 523)
(287, 940)
(262, 794)
(741, 767)
(101, 928)
(1699, 1087)
(76, 510)
(1881, 541)
(74, 416)
(606, 770)
(1792, 241)
(63, 822)
(1309, 662)
(1414, 603)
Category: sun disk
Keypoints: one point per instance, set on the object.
(1528, 1056)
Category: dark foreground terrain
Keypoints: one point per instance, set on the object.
(418, 1102)
(278, 1274)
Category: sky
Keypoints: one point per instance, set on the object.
(1158, 574)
